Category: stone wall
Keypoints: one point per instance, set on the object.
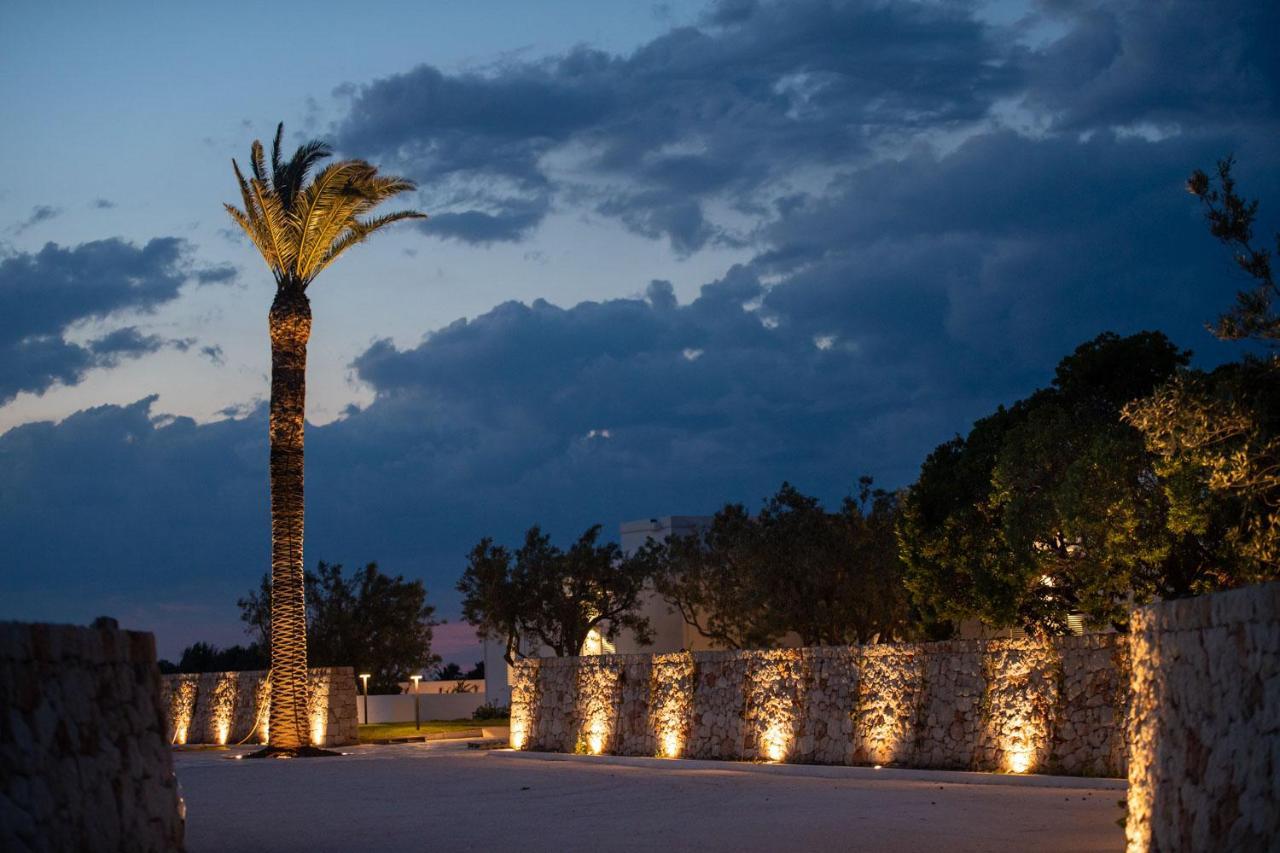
(84, 764)
(231, 707)
(1012, 705)
(1205, 730)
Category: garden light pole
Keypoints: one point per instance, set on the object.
(364, 678)
(417, 717)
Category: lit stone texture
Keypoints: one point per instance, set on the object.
(1205, 731)
(84, 763)
(231, 707)
(1003, 705)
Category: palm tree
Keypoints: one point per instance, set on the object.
(300, 228)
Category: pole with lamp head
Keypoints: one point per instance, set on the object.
(417, 717)
(364, 679)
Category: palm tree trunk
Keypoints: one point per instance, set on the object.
(290, 325)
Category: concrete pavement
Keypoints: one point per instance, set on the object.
(442, 797)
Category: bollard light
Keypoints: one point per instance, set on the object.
(417, 717)
(364, 678)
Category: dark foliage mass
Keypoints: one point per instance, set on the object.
(206, 657)
(544, 595)
(1132, 477)
(377, 623)
(792, 569)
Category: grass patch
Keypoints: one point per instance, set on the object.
(379, 731)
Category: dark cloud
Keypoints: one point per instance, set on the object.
(40, 213)
(513, 221)
(44, 293)
(102, 204)
(762, 94)
(692, 116)
(1172, 64)
(939, 210)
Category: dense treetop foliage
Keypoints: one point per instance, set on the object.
(206, 657)
(377, 623)
(545, 595)
(1131, 477)
(791, 569)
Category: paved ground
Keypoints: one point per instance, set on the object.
(437, 796)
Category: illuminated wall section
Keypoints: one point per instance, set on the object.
(597, 700)
(318, 710)
(1014, 706)
(223, 697)
(1205, 723)
(524, 702)
(716, 726)
(670, 706)
(775, 684)
(825, 734)
(890, 679)
(1022, 678)
(229, 708)
(179, 694)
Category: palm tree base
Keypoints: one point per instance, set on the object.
(298, 752)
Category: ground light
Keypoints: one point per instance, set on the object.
(417, 717)
(364, 679)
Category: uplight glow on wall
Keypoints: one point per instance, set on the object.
(671, 744)
(776, 740)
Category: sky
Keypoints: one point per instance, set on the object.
(677, 254)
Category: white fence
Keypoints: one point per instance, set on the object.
(431, 706)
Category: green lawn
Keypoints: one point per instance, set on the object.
(379, 731)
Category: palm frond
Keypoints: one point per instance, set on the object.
(358, 232)
(289, 181)
(256, 160)
(275, 226)
(249, 228)
(301, 228)
(254, 216)
(324, 210)
(277, 164)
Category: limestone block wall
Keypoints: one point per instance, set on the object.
(231, 707)
(84, 764)
(1012, 705)
(1205, 730)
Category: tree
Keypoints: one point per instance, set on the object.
(1231, 220)
(381, 624)
(550, 596)
(1051, 506)
(449, 672)
(206, 657)
(1216, 434)
(830, 578)
(300, 228)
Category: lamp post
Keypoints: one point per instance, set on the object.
(364, 678)
(417, 717)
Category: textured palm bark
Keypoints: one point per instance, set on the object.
(290, 326)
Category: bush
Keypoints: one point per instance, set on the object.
(489, 711)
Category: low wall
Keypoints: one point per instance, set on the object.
(84, 764)
(231, 707)
(1011, 705)
(432, 706)
(1205, 730)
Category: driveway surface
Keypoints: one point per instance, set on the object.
(443, 797)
